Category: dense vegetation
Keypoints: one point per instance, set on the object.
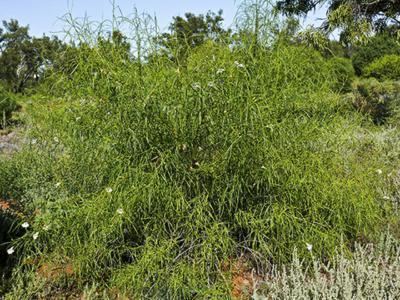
(7, 106)
(166, 167)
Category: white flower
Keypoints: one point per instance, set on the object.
(120, 211)
(211, 84)
(239, 65)
(25, 225)
(35, 235)
(196, 86)
(109, 190)
(57, 184)
(309, 247)
(386, 197)
(10, 250)
(34, 141)
(379, 171)
(46, 227)
(220, 71)
(56, 139)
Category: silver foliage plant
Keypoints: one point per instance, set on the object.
(371, 272)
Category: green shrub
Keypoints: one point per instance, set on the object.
(378, 46)
(160, 174)
(384, 68)
(149, 177)
(376, 99)
(7, 106)
(343, 73)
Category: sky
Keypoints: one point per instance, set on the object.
(43, 15)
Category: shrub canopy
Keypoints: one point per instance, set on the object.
(161, 173)
(384, 68)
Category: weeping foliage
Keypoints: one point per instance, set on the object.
(147, 177)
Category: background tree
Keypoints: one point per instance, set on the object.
(117, 41)
(192, 31)
(378, 46)
(38, 55)
(356, 18)
(23, 59)
(12, 38)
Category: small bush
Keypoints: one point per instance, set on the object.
(375, 98)
(7, 106)
(343, 73)
(386, 67)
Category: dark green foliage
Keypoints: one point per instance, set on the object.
(377, 99)
(6, 236)
(343, 72)
(190, 32)
(337, 49)
(297, 6)
(7, 106)
(13, 34)
(8, 218)
(385, 68)
(38, 55)
(379, 12)
(116, 41)
(378, 46)
(11, 41)
(23, 59)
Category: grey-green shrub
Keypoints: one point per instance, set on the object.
(372, 272)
